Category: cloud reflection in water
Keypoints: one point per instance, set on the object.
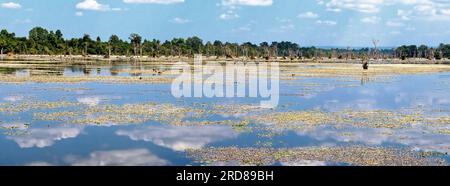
(180, 138)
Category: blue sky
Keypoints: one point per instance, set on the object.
(307, 22)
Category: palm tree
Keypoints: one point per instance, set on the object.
(136, 42)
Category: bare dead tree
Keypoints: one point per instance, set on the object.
(375, 52)
(431, 54)
(349, 53)
(266, 52)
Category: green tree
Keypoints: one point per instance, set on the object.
(87, 44)
(445, 50)
(38, 39)
(5, 41)
(423, 51)
(195, 44)
(114, 44)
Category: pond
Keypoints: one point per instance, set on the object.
(125, 114)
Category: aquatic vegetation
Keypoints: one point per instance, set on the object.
(83, 79)
(119, 114)
(236, 110)
(353, 155)
(306, 117)
(14, 126)
(14, 108)
(443, 131)
(376, 71)
(314, 118)
(55, 116)
(440, 121)
(136, 114)
(51, 73)
(63, 89)
(153, 71)
(382, 118)
(15, 129)
(234, 123)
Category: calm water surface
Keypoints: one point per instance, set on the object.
(28, 140)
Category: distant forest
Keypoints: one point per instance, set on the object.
(40, 41)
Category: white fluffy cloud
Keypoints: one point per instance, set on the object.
(366, 6)
(311, 15)
(424, 9)
(92, 5)
(247, 2)
(11, 5)
(79, 13)
(429, 9)
(230, 7)
(326, 22)
(394, 24)
(229, 14)
(371, 19)
(166, 2)
(404, 14)
(179, 20)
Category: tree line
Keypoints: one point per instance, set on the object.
(41, 41)
(423, 51)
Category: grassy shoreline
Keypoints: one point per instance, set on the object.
(99, 58)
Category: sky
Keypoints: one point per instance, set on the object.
(307, 22)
